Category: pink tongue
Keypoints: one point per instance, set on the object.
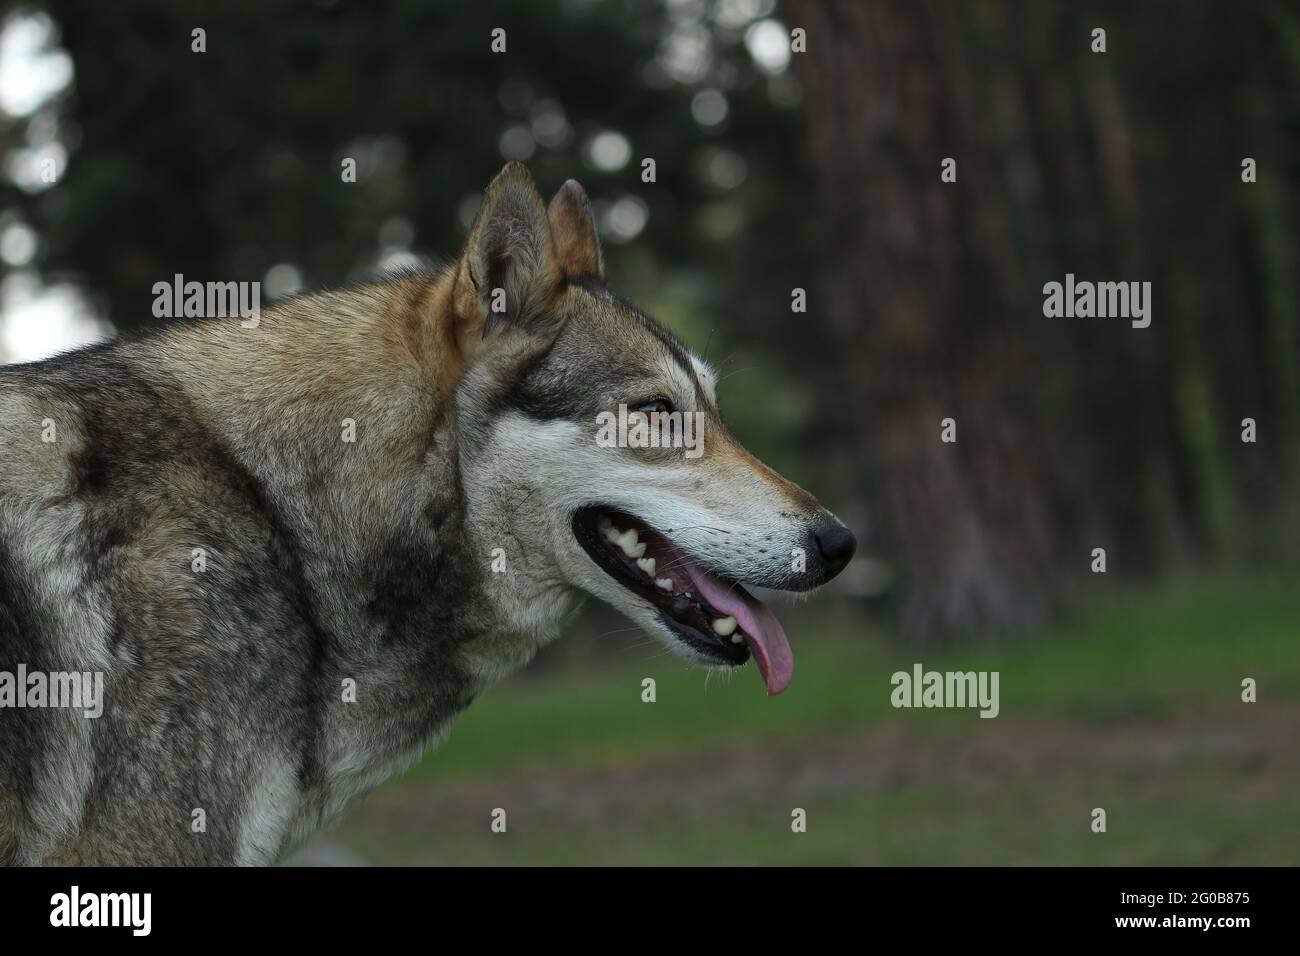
(763, 632)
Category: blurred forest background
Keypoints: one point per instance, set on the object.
(780, 170)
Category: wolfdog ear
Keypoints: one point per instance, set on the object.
(576, 246)
(508, 270)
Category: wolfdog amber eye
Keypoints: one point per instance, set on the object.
(661, 405)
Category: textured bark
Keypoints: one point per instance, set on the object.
(920, 280)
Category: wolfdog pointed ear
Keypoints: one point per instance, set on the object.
(508, 270)
(574, 229)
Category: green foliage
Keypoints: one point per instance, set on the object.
(224, 163)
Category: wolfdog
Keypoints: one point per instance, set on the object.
(294, 552)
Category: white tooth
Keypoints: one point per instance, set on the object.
(628, 542)
(613, 534)
(647, 565)
(724, 626)
(737, 639)
(664, 584)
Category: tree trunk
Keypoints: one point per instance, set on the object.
(922, 284)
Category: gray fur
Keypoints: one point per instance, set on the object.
(327, 561)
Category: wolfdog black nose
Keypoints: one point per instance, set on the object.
(836, 545)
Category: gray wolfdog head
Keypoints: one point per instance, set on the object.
(594, 452)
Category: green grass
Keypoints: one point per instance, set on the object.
(1133, 706)
(1184, 647)
(1043, 824)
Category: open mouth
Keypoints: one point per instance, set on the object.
(716, 618)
